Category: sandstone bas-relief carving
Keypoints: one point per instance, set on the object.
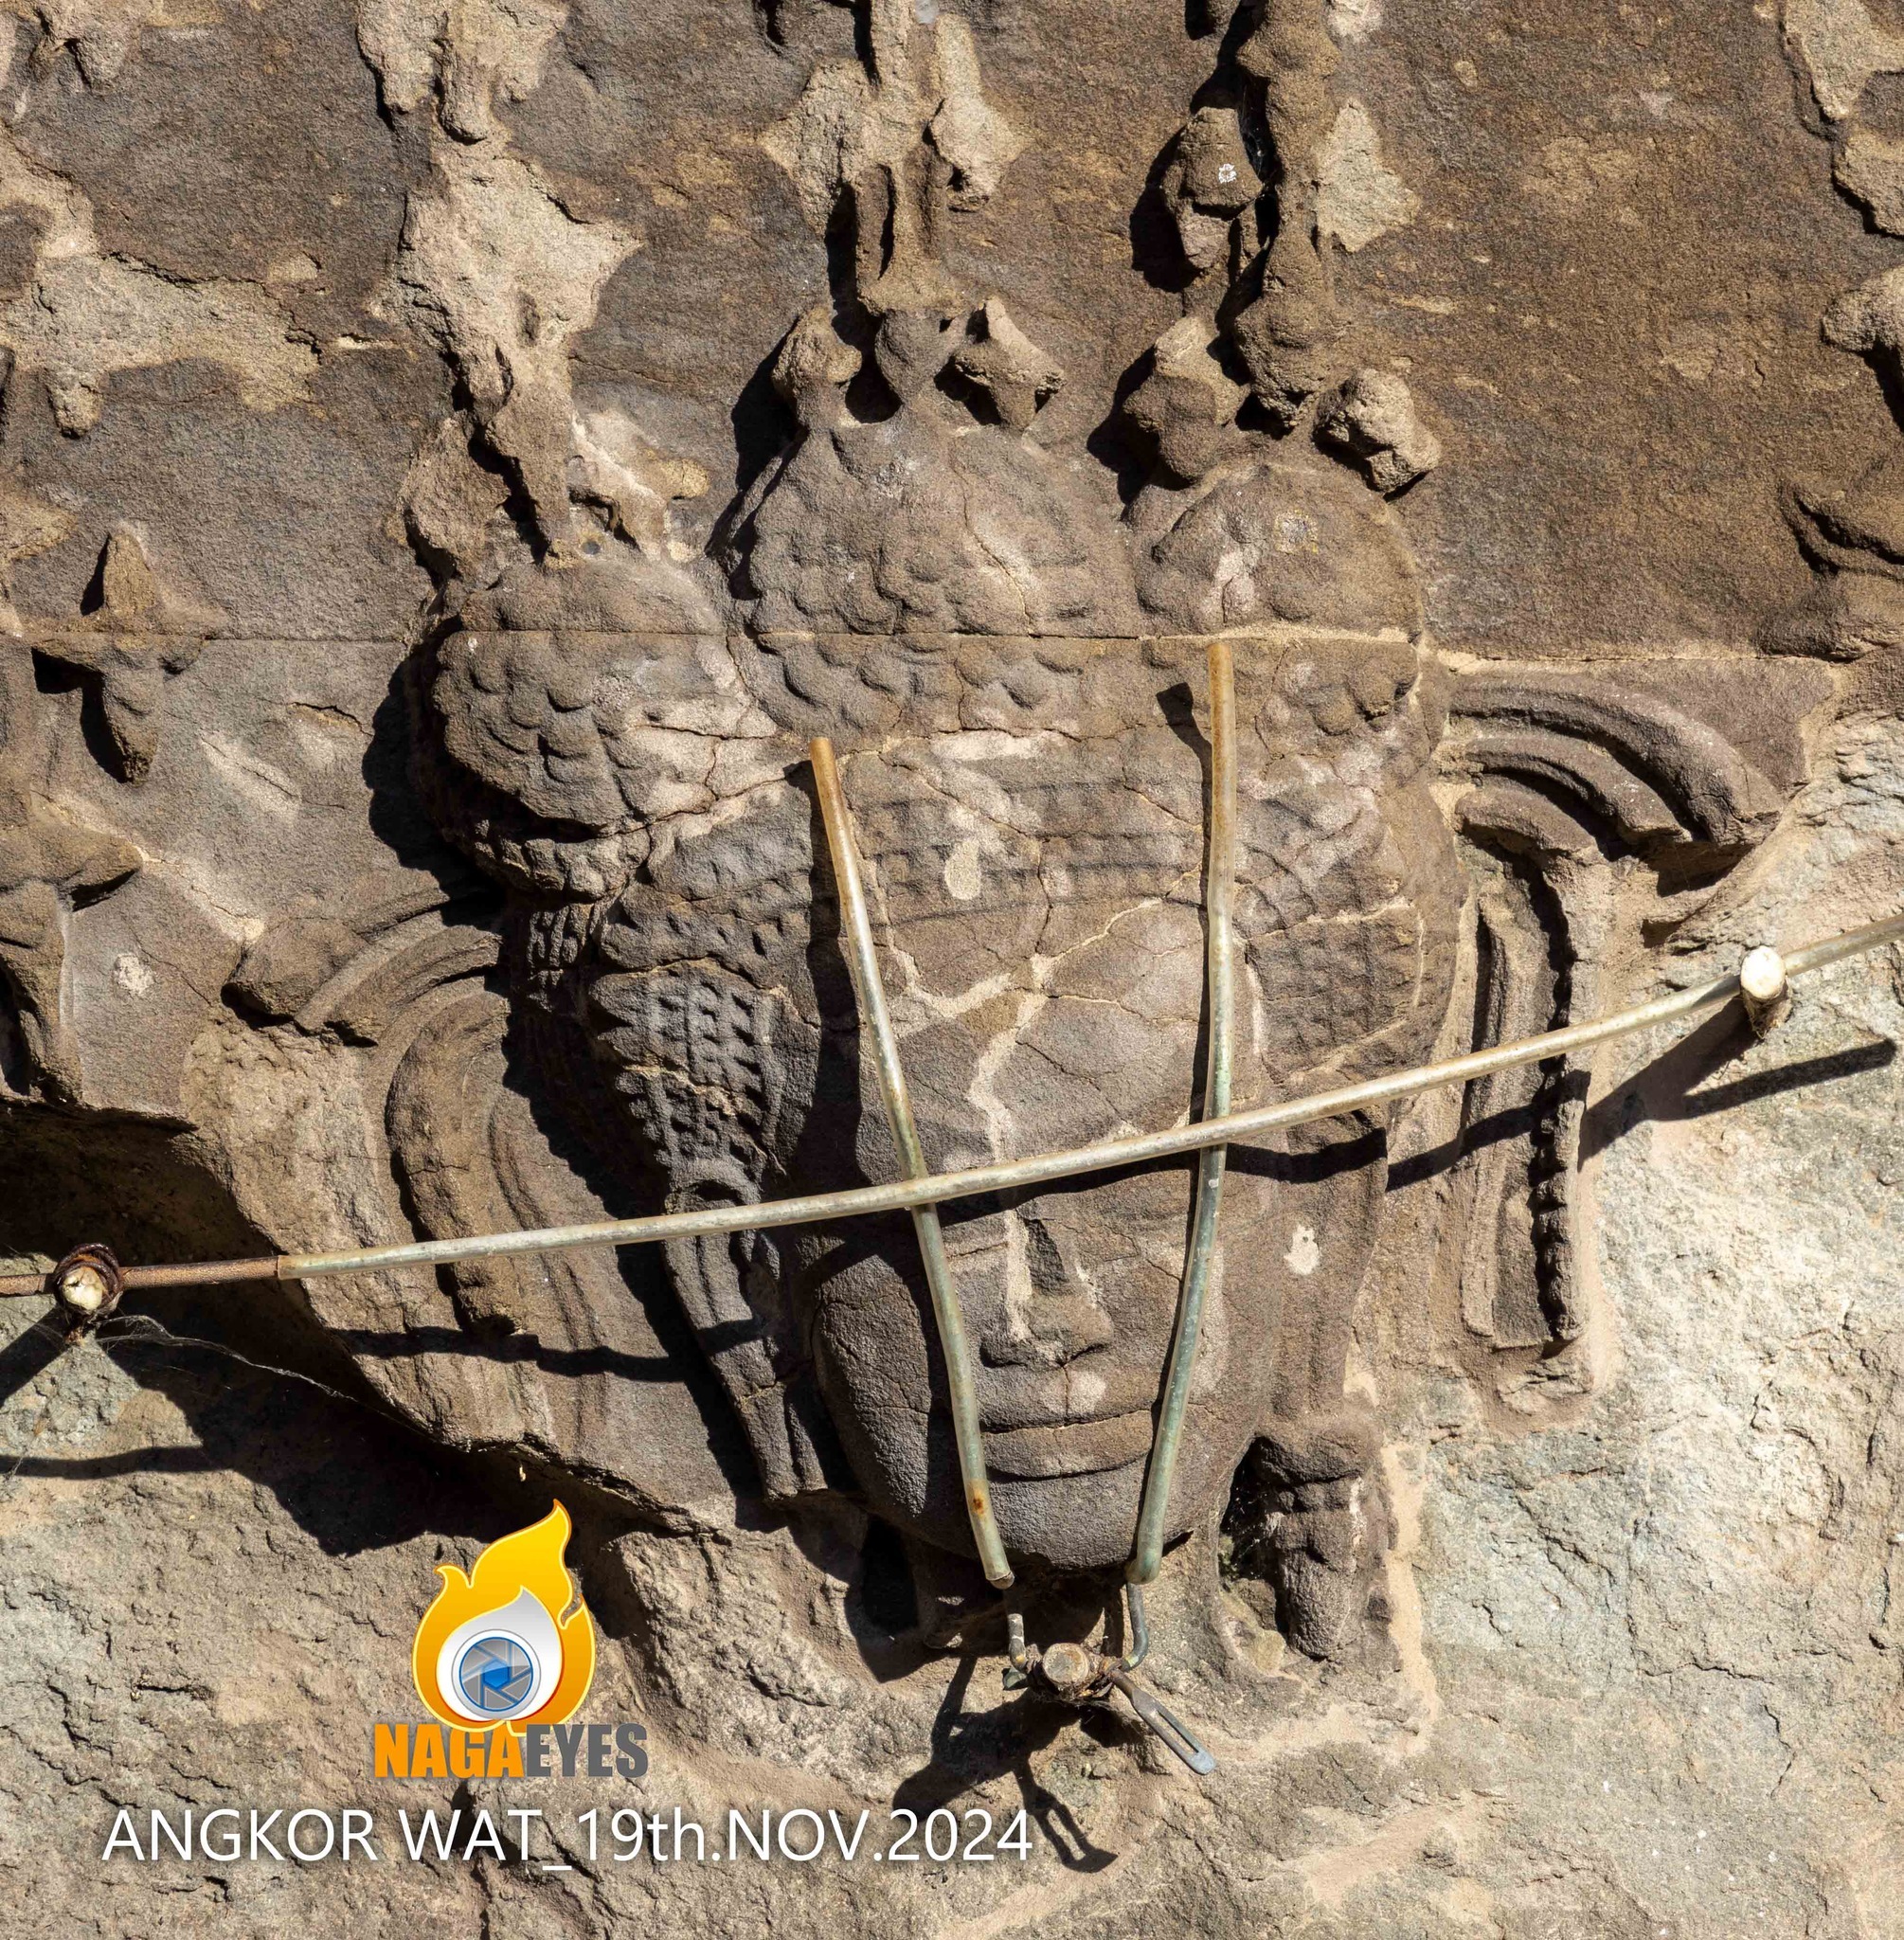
(857, 533)
(529, 728)
(917, 577)
(616, 981)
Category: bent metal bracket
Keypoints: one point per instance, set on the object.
(88, 1284)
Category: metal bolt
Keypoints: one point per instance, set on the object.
(82, 1287)
(1067, 1668)
(1764, 989)
(86, 1287)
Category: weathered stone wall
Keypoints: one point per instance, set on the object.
(455, 457)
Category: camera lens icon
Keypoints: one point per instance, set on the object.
(494, 1674)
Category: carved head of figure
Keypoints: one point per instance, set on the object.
(953, 604)
(1031, 820)
(1030, 815)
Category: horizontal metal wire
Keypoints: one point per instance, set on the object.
(1006, 1175)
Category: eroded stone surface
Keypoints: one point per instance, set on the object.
(457, 457)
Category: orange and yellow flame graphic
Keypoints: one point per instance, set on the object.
(517, 1594)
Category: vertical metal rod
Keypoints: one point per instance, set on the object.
(1137, 1629)
(1015, 1652)
(1147, 1555)
(864, 965)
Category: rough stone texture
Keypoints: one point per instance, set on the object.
(457, 456)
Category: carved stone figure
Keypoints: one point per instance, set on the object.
(450, 478)
(1017, 686)
(924, 583)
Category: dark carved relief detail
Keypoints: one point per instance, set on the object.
(357, 961)
(1264, 183)
(1240, 523)
(1234, 531)
(135, 633)
(1572, 783)
(1312, 1528)
(912, 499)
(53, 856)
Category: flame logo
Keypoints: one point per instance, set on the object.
(494, 1648)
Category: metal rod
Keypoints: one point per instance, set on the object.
(1164, 1722)
(857, 930)
(1137, 1630)
(1011, 1175)
(1219, 894)
(1015, 1652)
(191, 1273)
(213, 1273)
